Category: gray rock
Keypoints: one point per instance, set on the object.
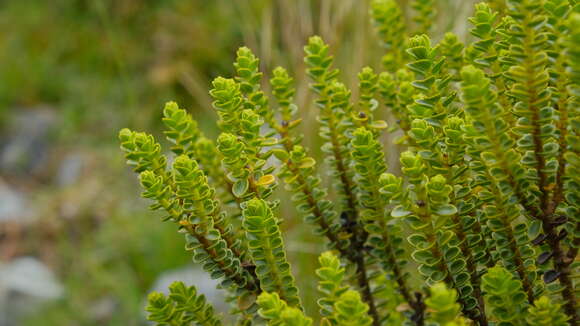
(13, 204)
(25, 283)
(70, 169)
(24, 148)
(104, 308)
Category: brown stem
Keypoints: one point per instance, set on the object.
(404, 290)
(236, 277)
(228, 239)
(364, 285)
(359, 234)
(512, 243)
(527, 285)
(477, 229)
(442, 265)
(328, 232)
(562, 265)
(548, 207)
(391, 261)
(471, 268)
(308, 192)
(222, 231)
(560, 258)
(345, 181)
(354, 256)
(558, 191)
(547, 199)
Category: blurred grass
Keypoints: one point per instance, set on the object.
(100, 65)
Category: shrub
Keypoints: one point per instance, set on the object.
(487, 195)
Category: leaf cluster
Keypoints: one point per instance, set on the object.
(484, 201)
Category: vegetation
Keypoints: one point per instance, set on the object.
(479, 226)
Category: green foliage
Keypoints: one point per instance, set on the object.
(384, 238)
(535, 126)
(331, 278)
(349, 310)
(248, 77)
(367, 88)
(390, 25)
(493, 145)
(184, 194)
(182, 130)
(430, 80)
(278, 313)
(443, 304)
(198, 199)
(504, 296)
(545, 313)
(428, 211)
(310, 198)
(267, 251)
(484, 21)
(319, 63)
(572, 171)
(244, 161)
(142, 152)
(488, 180)
(336, 123)
(190, 204)
(424, 15)
(298, 170)
(397, 93)
(283, 92)
(489, 46)
(452, 50)
(240, 107)
(183, 306)
(227, 102)
(334, 118)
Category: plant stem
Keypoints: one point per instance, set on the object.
(562, 266)
(353, 256)
(365, 287)
(359, 235)
(471, 268)
(250, 286)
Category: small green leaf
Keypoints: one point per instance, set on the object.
(294, 123)
(534, 228)
(379, 124)
(418, 240)
(445, 237)
(446, 210)
(266, 180)
(246, 300)
(307, 163)
(269, 142)
(240, 187)
(399, 211)
(280, 154)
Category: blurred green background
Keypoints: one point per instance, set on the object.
(77, 244)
